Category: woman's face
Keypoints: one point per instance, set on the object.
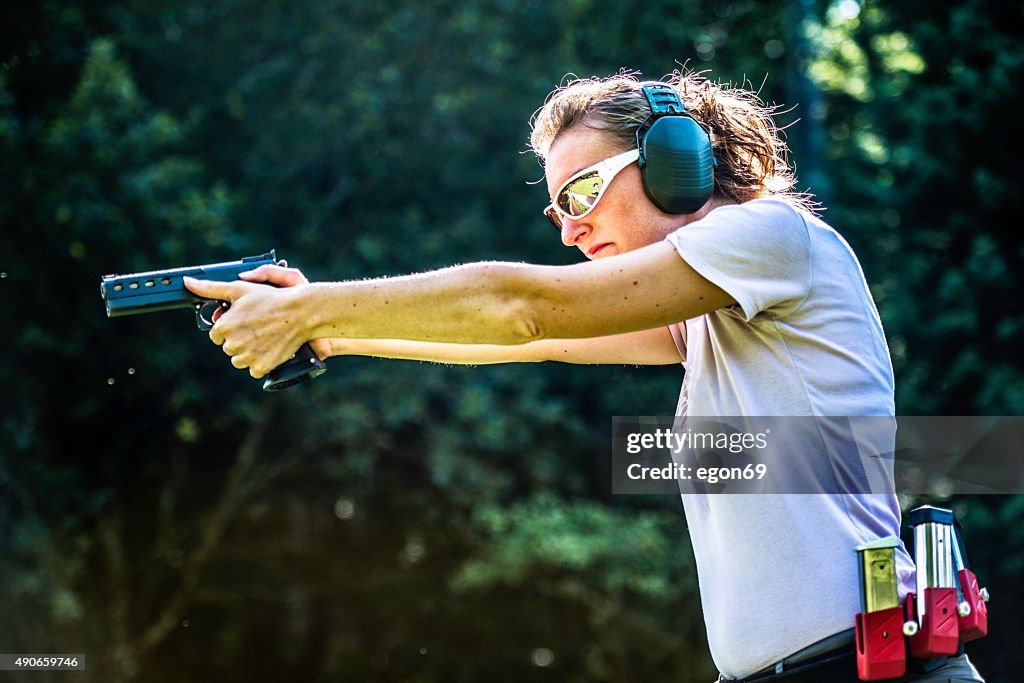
(624, 218)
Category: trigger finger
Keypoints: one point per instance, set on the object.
(219, 311)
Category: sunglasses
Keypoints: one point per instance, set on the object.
(579, 195)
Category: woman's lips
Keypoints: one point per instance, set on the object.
(594, 250)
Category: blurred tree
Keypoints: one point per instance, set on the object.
(914, 97)
(101, 168)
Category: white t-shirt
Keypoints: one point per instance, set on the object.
(779, 572)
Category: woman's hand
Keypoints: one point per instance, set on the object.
(261, 326)
(282, 276)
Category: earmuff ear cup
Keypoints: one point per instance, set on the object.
(678, 170)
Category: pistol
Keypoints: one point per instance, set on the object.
(164, 290)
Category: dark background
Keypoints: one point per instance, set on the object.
(401, 521)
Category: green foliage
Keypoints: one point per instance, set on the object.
(106, 165)
(631, 571)
(927, 197)
(576, 542)
(104, 187)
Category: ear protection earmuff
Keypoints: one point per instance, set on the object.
(676, 161)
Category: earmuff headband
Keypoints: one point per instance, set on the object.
(675, 153)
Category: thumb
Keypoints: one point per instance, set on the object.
(211, 289)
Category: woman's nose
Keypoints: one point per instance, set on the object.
(573, 231)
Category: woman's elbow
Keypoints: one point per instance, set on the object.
(516, 307)
(523, 322)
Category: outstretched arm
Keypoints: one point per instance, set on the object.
(482, 303)
(647, 347)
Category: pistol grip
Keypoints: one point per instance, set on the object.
(305, 364)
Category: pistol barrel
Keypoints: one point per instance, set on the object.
(162, 290)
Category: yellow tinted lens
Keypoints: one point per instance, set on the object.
(580, 194)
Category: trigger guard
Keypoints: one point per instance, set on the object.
(206, 322)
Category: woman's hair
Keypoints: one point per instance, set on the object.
(750, 153)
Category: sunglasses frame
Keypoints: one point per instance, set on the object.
(606, 170)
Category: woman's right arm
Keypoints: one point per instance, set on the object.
(646, 347)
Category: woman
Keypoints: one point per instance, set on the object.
(764, 304)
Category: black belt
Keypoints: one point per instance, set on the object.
(814, 656)
(836, 652)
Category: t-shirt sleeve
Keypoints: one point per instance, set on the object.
(758, 252)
